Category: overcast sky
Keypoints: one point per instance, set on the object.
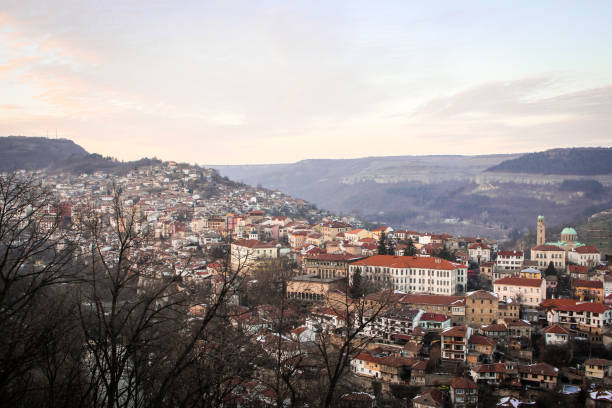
(229, 82)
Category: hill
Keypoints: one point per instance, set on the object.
(576, 161)
(455, 194)
(33, 153)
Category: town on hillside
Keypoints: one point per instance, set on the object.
(277, 303)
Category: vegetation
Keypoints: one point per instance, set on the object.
(578, 161)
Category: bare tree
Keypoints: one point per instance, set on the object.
(34, 257)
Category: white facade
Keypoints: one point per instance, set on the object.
(435, 276)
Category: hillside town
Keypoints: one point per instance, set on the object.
(424, 319)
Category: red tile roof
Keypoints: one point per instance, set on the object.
(587, 250)
(516, 281)
(556, 330)
(462, 383)
(424, 262)
(579, 283)
(577, 269)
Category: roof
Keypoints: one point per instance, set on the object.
(546, 247)
(481, 294)
(538, 369)
(430, 398)
(598, 361)
(555, 329)
(516, 281)
(424, 262)
(456, 331)
(509, 253)
(482, 340)
(460, 382)
(417, 299)
(332, 257)
(434, 317)
(579, 283)
(583, 307)
(587, 249)
(494, 328)
(491, 368)
(577, 269)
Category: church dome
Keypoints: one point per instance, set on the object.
(568, 231)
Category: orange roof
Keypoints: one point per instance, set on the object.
(456, 331)
(516, 281)
(424, 262)
(578, 283)
(578, 269)
(463, 383)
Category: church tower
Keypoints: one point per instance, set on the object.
(541, 231)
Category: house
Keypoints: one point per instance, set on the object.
(481, 349)
(481, 307)
(526, 292)
(578, 272)
(463, 393)
(434, 321)
(479, 252)
(545, 254)
(246, 252)
(530, 273)
(492, 374)
(509, 260)
(584, 316)
(418, 373)
(389, 369)
(519, 328)
(598, 368)
(556, 335)
(495, 331)
(357, 400)
(588, 256)
(587, 290)
(432, 398)
(539, 375)
(454, 343)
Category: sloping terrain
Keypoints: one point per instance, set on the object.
(32, 153)
(455, 194)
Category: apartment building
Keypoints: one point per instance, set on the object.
(509, 260)
(526, 292)
(454, 343)
(413, 274)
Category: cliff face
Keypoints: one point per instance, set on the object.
(33, 153)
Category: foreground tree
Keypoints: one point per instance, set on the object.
(34, 259)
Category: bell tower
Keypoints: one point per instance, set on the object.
(541, 231)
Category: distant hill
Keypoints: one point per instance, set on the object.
(33, 153)
(576, 161)
(58, 155)
(460, 195)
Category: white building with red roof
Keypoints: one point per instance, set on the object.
(588, 256)
(528, 292)
(585, 316)
(413, 273)
(556, 335)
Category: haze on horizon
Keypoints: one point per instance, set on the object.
(235, 82)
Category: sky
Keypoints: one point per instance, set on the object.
(236, 82)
